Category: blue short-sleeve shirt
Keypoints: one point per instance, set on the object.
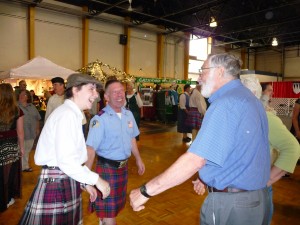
(234, 140)
(111, 136)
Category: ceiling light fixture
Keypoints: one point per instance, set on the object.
(213, 22)
(274, 41)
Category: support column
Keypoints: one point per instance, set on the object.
(85, 38)
(31, 30)
(243, 58)
(209, 45)
(186, 56)
(160, 58)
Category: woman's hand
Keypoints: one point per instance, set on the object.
(104, 187)
(92, 191)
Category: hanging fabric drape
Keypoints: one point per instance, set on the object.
(286, 89)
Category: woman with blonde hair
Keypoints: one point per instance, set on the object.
(11, 146)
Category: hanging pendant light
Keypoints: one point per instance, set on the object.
(274, 41)
(213, 22)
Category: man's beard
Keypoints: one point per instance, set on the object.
(207, 87)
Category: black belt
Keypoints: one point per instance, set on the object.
(50, 167)
(228, 190)
(113, 163)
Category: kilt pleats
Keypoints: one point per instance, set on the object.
(194, 119)
(115, 202)
(56, 201)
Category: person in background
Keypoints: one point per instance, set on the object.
(266, 97)
(47, 96)
(280, 139)
(134, 103)
(112, 137)
(230, 153)
(31, 127)
(102, 102)
(11, 147)
(174, 100)
(183, 111)
(58, 98)
(197, 110)
(35, 100)
(295, 128)
(61, 151)
(22, 87)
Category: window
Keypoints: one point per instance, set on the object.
(198, 53)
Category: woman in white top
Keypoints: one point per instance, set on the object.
(61, 151)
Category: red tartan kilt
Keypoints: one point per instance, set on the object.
(115, 202)
(194, 119)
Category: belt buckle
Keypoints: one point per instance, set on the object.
(122, 164)
(49, 180)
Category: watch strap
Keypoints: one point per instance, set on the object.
(143, 190)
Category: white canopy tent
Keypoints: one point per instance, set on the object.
(37, 72)
(37, 68)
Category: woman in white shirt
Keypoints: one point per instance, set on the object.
(61, 151)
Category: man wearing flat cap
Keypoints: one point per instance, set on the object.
(57, 99)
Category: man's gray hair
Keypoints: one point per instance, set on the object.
(231, 64)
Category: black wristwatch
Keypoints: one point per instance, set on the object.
(143, 191)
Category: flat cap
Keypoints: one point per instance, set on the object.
(58, 80)
(76, 79)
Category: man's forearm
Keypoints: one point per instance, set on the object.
(184, 168)
(91, 156)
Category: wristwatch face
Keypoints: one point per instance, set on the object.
(143, 189)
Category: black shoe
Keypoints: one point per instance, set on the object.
(28, 170)
(187, 139)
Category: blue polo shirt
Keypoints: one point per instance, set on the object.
(234, 140)
(111, 136)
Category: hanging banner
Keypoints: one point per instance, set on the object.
(162, 80)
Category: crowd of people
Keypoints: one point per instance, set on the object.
(232, 147)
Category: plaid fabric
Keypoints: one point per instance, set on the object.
(58, 202)
(115, 202)
(194, 118)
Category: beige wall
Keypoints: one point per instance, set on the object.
(58, 37)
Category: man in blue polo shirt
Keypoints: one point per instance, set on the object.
(112, 137)
(230, 153)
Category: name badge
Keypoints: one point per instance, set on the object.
(130, 124)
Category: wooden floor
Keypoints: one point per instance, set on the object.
(160, 146)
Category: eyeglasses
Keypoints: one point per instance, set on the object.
(206, 68)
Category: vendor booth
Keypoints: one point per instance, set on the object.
(37, 73)
(156, 96)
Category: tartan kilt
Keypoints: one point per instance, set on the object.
(194, 118)
(57, 202)
(115, 202)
